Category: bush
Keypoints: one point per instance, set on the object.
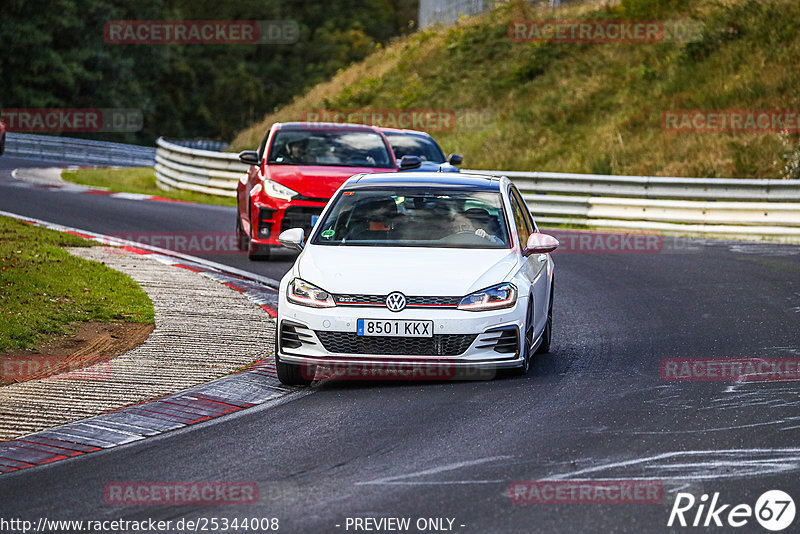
(650, 9)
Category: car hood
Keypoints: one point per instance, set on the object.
(412, 271)
(313, 181)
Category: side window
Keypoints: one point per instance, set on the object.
(520, 221)
(525, 209)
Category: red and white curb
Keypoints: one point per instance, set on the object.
(250, 387)
(253, 386)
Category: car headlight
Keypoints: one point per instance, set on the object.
(491, 298)
(274, 189)
(305, 294)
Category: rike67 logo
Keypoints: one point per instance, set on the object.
(774, 510)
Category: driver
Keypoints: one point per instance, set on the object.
(298, 152)
(483, 224)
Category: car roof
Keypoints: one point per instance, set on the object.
(405, 132)
(426, 179)
(334, 126)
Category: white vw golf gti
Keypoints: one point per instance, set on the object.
(421, 270)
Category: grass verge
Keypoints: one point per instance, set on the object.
(138, 180)
(46, 290)
(588, 107)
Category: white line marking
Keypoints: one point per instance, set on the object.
(399, 479)
(704, 430)
(739, 459)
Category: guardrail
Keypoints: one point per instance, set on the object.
(205, 171)
(659, 187)
(74, 150)
(749, 208)
(711, 206)
(201, 144)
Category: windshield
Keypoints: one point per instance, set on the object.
(329, 148)
(414, 145)
(415, 218)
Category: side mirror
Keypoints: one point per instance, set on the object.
(410, 162)
(249, 157)
(539, 243)
(292, 238)
(455, 159)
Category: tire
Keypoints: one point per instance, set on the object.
(291, 374)
(3, 145)
(258, 252)
(242, 241)
(547, 335)
(527, 341)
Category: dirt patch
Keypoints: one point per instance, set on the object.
(91, 343)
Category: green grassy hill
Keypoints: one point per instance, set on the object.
(589, 107)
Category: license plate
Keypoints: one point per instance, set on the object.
(314, 219)
(394, 328)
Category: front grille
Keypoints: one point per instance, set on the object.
(433, 301)
(411, 302)
(359, 299)
(438, 345)
(299, 217)
(311, 199)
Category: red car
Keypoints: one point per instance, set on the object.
(2, 138)
(295, 172)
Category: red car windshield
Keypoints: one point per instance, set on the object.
(329, 148)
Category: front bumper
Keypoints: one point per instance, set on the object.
(462, 339)
(273, 216)
(353, 360)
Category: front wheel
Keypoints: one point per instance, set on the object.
(292, 374)
(547, 335)
(258, 252)
(527, 342)
(242, 241)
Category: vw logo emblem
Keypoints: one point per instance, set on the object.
(396, 301)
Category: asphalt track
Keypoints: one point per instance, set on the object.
(595, 408)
